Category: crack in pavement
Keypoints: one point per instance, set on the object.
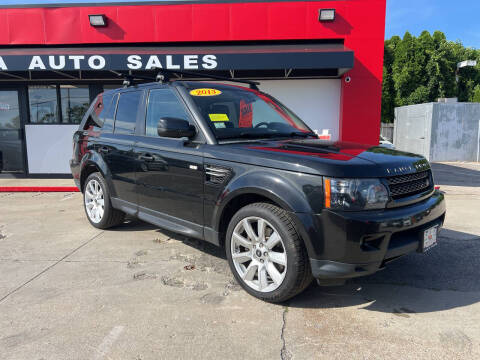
(49, 267)
(411, 286)
(284, 353)
(447, 237)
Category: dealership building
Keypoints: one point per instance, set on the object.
(323, 59)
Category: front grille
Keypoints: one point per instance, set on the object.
(407, 185)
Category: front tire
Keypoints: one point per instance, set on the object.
(97, 204)
(266, 254)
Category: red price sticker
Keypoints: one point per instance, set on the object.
(246, 115)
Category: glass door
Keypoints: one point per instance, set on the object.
(11, 136)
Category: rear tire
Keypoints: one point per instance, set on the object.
(97, 204)
(270, 263)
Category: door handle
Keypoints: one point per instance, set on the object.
(103, 149)
(146, 157)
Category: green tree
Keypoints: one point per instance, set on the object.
(388, 98)
(423, 69)
(476, 94)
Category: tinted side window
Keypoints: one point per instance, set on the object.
(109, 114)
(162, 103)
(100, 107)
(127, 110)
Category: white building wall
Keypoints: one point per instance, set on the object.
(49, 148)
(315, 101)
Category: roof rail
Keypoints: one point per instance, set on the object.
(164, 75)
(128, 80)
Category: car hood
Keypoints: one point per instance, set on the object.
(319, 157)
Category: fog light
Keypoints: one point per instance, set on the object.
(98, 20)
(326, 14)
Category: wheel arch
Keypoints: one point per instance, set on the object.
(93, 162)
(239, 201)
(244, 197)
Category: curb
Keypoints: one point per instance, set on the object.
(38, 189)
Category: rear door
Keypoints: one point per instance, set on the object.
(116, 147)
(170, 171)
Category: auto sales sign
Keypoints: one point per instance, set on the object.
(108, 62)
(175, 59)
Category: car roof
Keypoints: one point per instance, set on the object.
(185, 83)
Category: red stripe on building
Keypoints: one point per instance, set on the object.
(38, 189)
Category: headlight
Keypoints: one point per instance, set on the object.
(354, 194)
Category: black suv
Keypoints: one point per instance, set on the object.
(233, 166)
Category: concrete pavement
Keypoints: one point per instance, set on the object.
(69, 291)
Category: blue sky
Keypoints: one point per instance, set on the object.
(457, 19)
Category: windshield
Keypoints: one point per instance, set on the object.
(236, 112)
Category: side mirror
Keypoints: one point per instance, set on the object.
(175, 128)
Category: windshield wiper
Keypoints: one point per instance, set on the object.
(302, 134)
(249, 135)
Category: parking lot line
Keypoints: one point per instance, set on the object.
(108, 341)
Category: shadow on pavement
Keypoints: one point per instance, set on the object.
(132, 224)
(201, 245)
(447, 174)
(446, 277)
(450, 271)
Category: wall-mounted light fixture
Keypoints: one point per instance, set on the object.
(326, 14)
(98, 20)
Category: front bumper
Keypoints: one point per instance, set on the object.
(352, 244)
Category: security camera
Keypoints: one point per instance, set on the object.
(348, 79)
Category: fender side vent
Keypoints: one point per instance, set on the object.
(217, 175)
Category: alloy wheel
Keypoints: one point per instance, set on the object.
(258, 254)
(94, 201)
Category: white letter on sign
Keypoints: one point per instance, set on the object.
(134, 62)
(3, 66)
(209, 62)
(190, 62)
(76, 60)
(153, 62)
(36, 62)
(170, 64)
(100, 62)
(51, 62)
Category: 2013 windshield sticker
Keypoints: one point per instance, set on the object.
(205, 92)
(218, 117)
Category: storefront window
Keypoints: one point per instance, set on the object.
(58, 104)
(75, 101)
(43, 104)
(11, 142)
(9, 111)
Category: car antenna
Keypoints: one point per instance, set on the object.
(164, 75)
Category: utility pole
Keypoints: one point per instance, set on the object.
(462, 65)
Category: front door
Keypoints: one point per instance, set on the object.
(169, 171)
(12, 158)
